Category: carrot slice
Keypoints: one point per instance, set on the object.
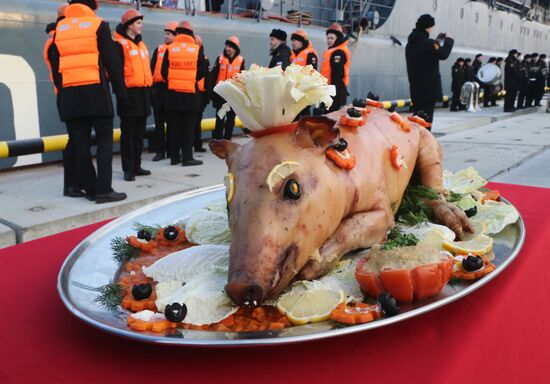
(396, 117)
(374, 103)
(355, 313)
(347, 122)
(396, 160)
(344, 159)
(462, 274)
(144, 246)
(490, 195)
(155, 326)
(419, 121)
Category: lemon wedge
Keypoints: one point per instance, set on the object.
(435, 238)
(309, 302)
(279, 172)
(476, 246)
(479, 229)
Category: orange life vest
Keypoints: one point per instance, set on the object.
(326, 69)
(182, 71)
(137, 71)
(76, 41)
(301, 58)
(157, 74)
(47, 46)
(227, 69)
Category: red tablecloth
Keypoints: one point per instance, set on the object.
(498, 334)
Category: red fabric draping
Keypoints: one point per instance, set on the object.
(498, 334)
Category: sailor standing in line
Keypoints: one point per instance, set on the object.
(335, 64)
(228, 64)
(279, 51)
(524, 86)
(540, 83)
(183, 66)
(488, 89)
(532, 75)
(138, 79)
(457, 72)
(159, 142)
(203, 85)
(82, 40)
(71, 187)
(303, 54)
(512, 80)
(494, 96)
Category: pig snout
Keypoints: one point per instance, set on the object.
(244, 294)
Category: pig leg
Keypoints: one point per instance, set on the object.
(358, 231)
(430, 173)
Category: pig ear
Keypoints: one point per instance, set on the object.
(316, 131)
(223, 148)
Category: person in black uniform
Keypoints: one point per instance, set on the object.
(524, 86)
(494, 96)
(457, 72)
(423, 55)
(183, 108)
(279, 51)
(133, 113)
(90, 106)
(204, 86)
(159, 143)
(468, 70)
(512, 80)
(476, 64)
(540, 82)
(488, 89)
(532, 75)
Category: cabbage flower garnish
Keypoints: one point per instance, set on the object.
(269, 97)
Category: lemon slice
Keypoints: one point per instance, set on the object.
(229, 182)
(309, 303)
(435, 238)
(476, 246)
(279, 172)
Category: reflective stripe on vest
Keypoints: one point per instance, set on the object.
(301, 58)
(182, 71)
(76, 41)
(326, 69)
(157, 74)
(47, 46)
(227, 69)
(137, 71)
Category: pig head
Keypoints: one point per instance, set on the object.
(275, 232)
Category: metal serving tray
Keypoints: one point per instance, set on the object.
(91, 265)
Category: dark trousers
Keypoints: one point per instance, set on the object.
(487, 89)
(159, 144)
(522, 97)
(539, 92)
(510, 99)
(340, 99)
(131, 142)
(70, 172)
(426, 107)
(181, 129)
(531, 94)
(224, 127)
(197, 141)
(80, 132)
(455, 101)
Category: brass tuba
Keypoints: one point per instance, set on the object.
(469, 96)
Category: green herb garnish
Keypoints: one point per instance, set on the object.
(110, 296)
(413, 210)
(122, 251)
(396, 238)
(152, 229)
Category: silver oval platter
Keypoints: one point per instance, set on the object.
(90, 265)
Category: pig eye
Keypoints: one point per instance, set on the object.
(292, 189)
(229, 182)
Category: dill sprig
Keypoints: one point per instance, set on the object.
(110, 296)
(396, 238)
(122, 251)
(152, 229)
(413, 210)
(454, 197)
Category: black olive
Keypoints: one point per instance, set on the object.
(359, 103)
(170, 232)
(142, 291)
(472, 263)
(144, 235)
(471, 211)
(292, 189)
(388, 304)
(373, 96)
(352, 112)
(175, 312)
(341, 146)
